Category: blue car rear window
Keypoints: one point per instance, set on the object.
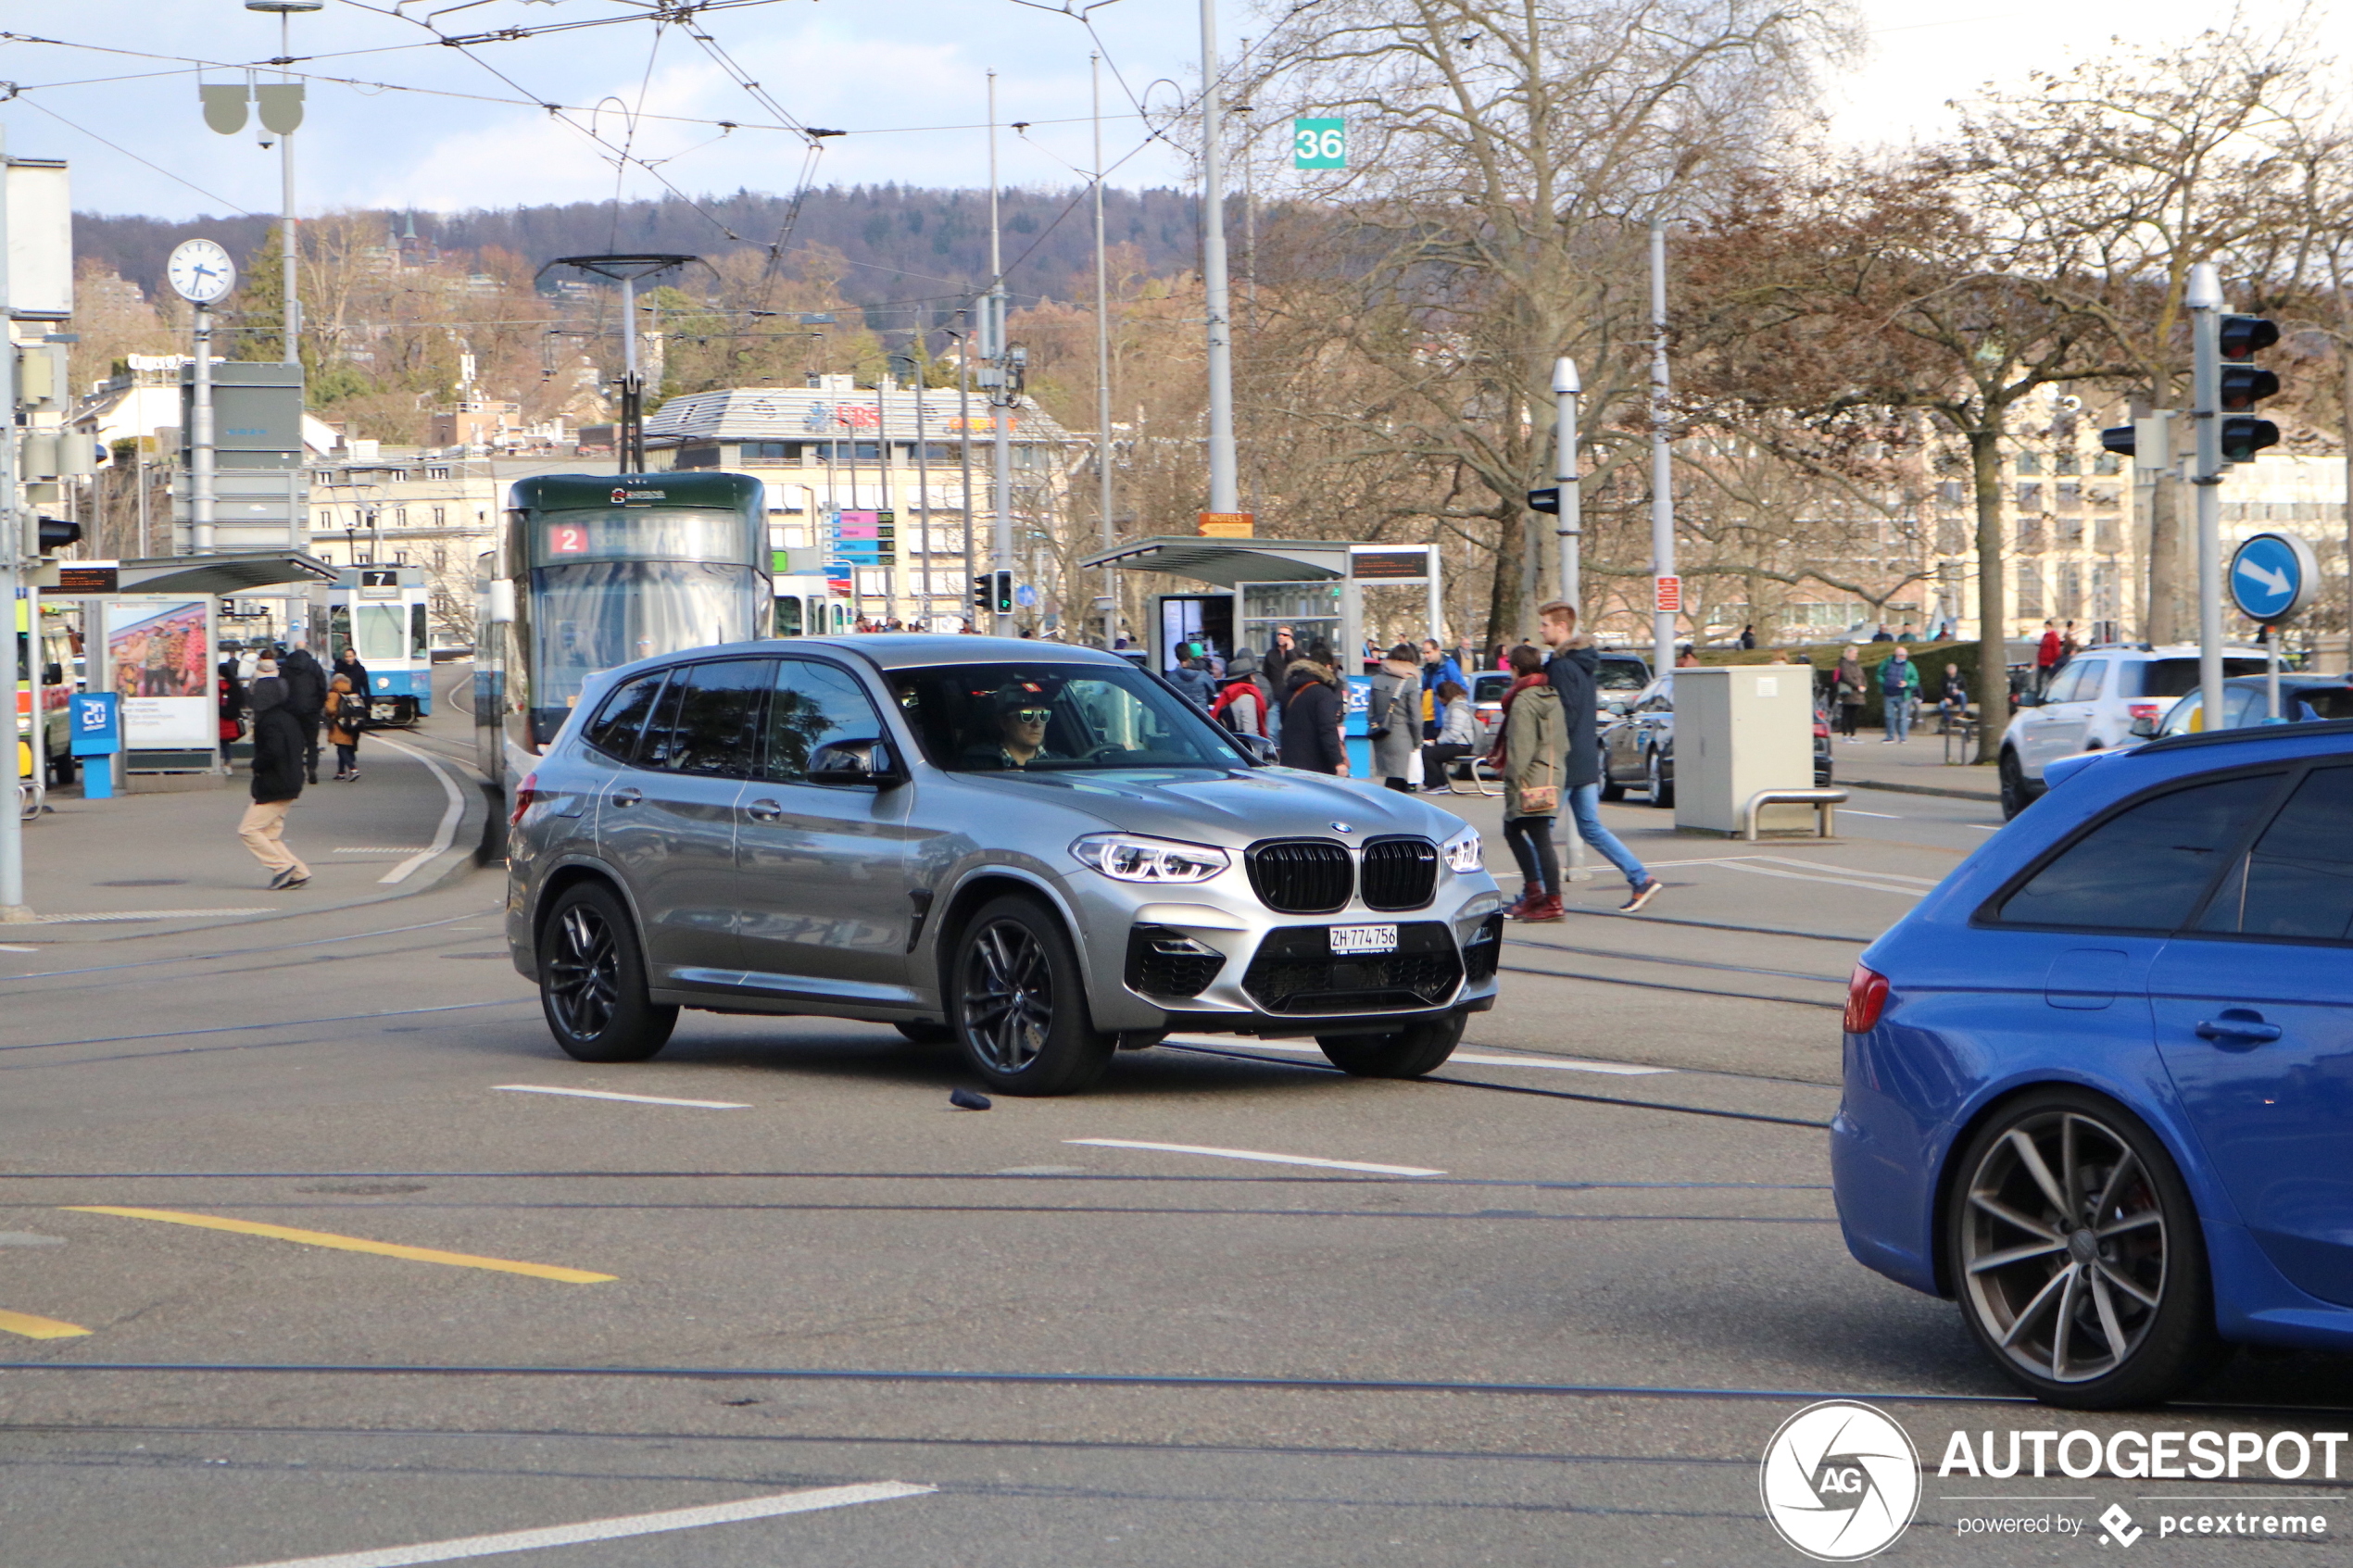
(2297, 881)
(2146, 867)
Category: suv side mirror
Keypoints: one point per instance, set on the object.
(2144, 728)
(856, 762)
(1262, 752)
(1615, 708)
(2028, 698)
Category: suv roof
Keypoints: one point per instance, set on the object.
(2321, 730)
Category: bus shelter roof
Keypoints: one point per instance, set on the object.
(1228, 562)
(242, 572)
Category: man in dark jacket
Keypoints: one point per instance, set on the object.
(1192, 677)
(277, 781)
(1571, 670)
(306, 699)
(1311, 718)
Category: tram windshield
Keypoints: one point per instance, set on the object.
(592, 616)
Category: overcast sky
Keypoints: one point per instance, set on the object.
(907, 78)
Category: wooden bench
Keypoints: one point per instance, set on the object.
(1824, 802)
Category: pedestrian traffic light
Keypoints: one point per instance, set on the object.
(2117, 439)
(1547, 500)
(2243, 384)
(1004, 593)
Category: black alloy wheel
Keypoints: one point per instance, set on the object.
(1020, 1002)
(1659, 774)
(1404, 1053)
(592, 980)
(2015, 789)
(2074, 1250)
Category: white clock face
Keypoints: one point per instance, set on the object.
(200, 270)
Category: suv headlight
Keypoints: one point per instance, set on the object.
(1128, 856)
(1463, 853)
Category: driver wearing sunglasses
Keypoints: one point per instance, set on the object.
(1022, 713)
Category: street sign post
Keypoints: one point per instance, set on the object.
(2270, 578)
(94, 730)
(1319, 144)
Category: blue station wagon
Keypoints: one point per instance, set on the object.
(2100, 1083)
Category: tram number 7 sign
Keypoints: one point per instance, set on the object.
(1319, 144)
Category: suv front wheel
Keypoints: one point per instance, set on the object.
(592, 979)
(1019, 1002)
(1404, 1053)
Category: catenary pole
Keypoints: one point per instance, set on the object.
(1225, 493)
(1569, 530)
(1662, 460)
(12, 904)
(1102, 368)
(2205, 378)
(1001, 389)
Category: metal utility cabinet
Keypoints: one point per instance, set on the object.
(1739, 729)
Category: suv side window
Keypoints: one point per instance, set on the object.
(812, 704)
(2297, 881)
(615, 728)
(2146, 867)
(707, 718)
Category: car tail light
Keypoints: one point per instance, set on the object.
(2145, 711)
(1821, 731)
(525, 794)
(1865, 1000)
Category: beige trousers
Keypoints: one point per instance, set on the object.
(264, 831)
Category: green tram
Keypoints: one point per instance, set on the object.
(599, 571)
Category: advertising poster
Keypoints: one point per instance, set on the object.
(159, 663)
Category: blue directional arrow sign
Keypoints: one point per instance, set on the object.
(2271, 577)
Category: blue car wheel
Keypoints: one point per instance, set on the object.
(2073, 1248)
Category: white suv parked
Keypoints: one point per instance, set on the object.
(2091, 703)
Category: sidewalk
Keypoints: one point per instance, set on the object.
(138, 864)
(1916, 767)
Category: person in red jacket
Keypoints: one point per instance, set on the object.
(2048, 655)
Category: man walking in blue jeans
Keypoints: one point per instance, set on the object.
(1899, 688)
(1571, 670)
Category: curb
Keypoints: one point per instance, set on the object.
(1987, 795)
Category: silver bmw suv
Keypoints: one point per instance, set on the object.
(1041, 853)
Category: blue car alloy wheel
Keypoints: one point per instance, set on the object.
(2075, 1254)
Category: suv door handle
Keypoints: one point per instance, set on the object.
(626, 797)
(2239, 1026)
(764, 810)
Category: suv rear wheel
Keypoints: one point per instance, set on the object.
(2017, 793)
(592, 979)
(1406, 1053)
(1018, 1002)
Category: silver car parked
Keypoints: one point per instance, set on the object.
(1041, 853)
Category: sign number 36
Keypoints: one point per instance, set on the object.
(1319, 144)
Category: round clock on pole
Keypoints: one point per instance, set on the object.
(200, 271)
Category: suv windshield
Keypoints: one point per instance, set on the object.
(989, 718)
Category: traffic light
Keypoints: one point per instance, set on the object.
(981, 592)
(1003, 594)
(2243, 384)
(1547, 500)
(56, 533)
(2119, 439)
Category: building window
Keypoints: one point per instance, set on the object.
(2029, 590)
(2066, 462)
(1952, 537)
(2105, 462)
(2071, 530)
(437, 473)
(769, 452)
(1950, 492)
(2030, 496)
(2030, 534)
(703, 456)
(326, 521)
(440, 517)
(400, 517)
(2070, 497)
(2071, 591)
(2029, 462)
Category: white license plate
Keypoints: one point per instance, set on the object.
(1363, 939)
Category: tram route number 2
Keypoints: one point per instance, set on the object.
(568, 539)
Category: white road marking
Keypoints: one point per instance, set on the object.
(403, 849)
(1983, 827)
(12, 947)
(1850, 870)
(635, 1099)
(442, 834)
(1261, 1156)
(1833, 881)
(140, 914)
(770, 1507)
(1883, 816)
(1475, 1059)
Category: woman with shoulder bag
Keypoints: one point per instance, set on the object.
(1396, 713)
(1528, 754)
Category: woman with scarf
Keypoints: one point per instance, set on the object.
(1310, 715)
(1533, 739)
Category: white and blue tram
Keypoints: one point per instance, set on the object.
(380, 612)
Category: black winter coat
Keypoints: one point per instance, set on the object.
(1310, 723)
(1572, 672)
(306, 685)
(280, 742)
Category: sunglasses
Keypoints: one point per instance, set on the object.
(1034, 715)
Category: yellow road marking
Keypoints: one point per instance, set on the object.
(38, 1328)
(348, 1243)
